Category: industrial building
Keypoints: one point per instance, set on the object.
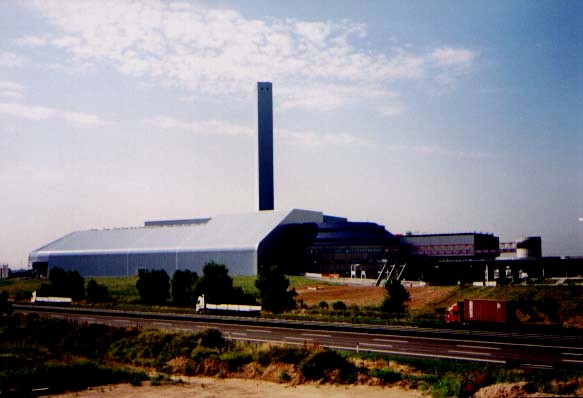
(298, 240)
(234, 240)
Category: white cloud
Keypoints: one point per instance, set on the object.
(11, 94)
(11, 90)
(222, 52)
(440, 151)
(317, 139)
(200, 127)
(32, 112)
(27, 111)
(10, 59)
(8, 85)
(291, 137)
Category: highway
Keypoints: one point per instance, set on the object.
(536, 351)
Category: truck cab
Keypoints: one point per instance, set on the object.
(453, 314)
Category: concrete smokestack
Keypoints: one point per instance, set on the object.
(265, 135)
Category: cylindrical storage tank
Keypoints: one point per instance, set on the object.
(529, 247)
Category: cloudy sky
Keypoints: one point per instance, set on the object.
(422, 116)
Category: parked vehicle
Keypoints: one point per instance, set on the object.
(49, 300)
(481, 311)
(203, 307)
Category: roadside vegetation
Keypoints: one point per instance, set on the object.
(44, 353)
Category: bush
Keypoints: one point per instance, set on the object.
(338, 306)
(386, 375)
(282, 354)
(235, 360)
(97, 293)
(199, 354)
(396, 298)
(153, 286)
(211, 338)
(273, 289)
(323, 305)
(319, 364)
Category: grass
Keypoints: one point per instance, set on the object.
(247, 283)
(20, 288)
(123, 288)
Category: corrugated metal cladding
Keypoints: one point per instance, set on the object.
(228, 239)
(487, 310)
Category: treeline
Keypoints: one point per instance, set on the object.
(155, 287)
(71, 284)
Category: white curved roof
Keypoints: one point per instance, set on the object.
(221, 233)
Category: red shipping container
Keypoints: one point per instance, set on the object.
(481, 310)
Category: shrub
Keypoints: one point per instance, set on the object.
(338, 306)
(319, 364)
(199, 354)
(386, 375)
(235, 360)
(284, 376)
(97, 293)
(211, 338)
(282, 354)
(323, 305)
(153, 286)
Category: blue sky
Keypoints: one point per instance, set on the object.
(422, 116)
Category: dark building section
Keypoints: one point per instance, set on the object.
(335, 247)
(338, 247)
(455, 246)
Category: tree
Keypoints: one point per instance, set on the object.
(153, 286)
(64, 284)
(217, 286)
(5, 304)
(396, 297)
(183, 287)
(273, 289)
(97, 293)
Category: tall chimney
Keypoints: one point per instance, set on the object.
(265, 134)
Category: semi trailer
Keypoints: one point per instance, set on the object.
(202, 307)
(49, 300)
(481, 311)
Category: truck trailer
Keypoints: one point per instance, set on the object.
(481, 311)
(202, 307)
(49, 300)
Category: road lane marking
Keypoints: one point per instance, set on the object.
(575, 354)
(161, 324)
(316, 335)
(475, 347)
(376, 345)
(258, 331)
(469, 352)
(86, 318)
(391, 341)
(298, 338)
(572, 360)
(238, 333)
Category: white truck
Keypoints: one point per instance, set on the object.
(203, 307)
(57, 301)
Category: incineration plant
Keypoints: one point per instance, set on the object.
(300, 241)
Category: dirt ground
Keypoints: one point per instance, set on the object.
(214, 388)
(372, 295)
(360, 295)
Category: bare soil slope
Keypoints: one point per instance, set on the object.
(213, 387)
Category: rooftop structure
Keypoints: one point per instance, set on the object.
(233, 240)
